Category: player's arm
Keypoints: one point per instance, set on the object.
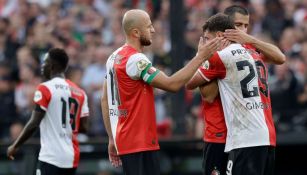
(176, 81)
(211, 70)
(272, 53)
(209, 91)
(83, 128)
(105, 111)
(196, 81)
(113, 157)
(31, 126)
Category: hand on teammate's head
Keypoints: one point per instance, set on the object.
(224, 43)
(205, 50)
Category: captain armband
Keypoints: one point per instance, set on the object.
(149, 73)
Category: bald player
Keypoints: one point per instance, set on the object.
(128, 99)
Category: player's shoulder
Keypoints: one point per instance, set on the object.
(46, 84)
(73, 85)
(126, 51)
(138, 56)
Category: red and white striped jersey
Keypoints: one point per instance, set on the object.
(245, 111)
(131, 101)
(65, 103)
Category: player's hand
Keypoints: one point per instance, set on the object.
(205, 50)
(209, 91)
(224, 43)
(113, 157)
(237, 36)
(11, 150)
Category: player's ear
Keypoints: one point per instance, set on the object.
(219, 34)
(136, 33)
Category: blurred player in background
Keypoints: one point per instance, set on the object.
(61, 112)
(128, 99)
(215, 131)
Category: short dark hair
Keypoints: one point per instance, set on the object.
(231, 10)
(60, 57)
(219, 22)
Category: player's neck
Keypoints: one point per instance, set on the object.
(135, 44)
(57, 75)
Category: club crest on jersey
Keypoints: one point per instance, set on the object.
(206, 65)
(38, 96)
(142, 64)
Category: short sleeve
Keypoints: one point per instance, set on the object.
(85, 109)
(213, 68)
(42, 96)
(139, 67)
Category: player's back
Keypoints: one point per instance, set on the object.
(264, 89)
(64, 103)
(243, 108)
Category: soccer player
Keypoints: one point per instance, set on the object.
(128, 99)
(215, 131)
(61, 112)
(251, 133)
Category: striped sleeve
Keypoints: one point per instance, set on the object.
(213, 68)
(42, 96)
(139, 67)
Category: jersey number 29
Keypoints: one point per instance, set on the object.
(248, 92)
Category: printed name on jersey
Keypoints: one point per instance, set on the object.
(38, 96)
(61, 86)
(142, 64)
(238, 52)
(206, 65)
(118, 113)
(72, 89)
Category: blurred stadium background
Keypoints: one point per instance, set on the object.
(90, 30)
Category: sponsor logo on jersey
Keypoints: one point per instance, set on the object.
(257, 105)
(206, 65)
(38, 96)
(142, 64)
